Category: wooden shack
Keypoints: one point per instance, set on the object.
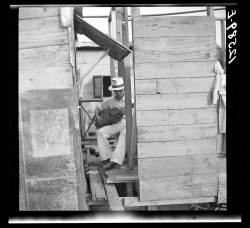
(51, 173)
(174, 148)
(179, 145)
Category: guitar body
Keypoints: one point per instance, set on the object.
(109, 117)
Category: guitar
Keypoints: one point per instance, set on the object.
(109, 117)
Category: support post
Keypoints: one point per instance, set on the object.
(135, 14)
(124, 71)
(210, 11)
(223, 45)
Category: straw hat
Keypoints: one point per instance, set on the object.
(116, 84)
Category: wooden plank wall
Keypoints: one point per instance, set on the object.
(178, 142)
(51, 171)
(43, 50)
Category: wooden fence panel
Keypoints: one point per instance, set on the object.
(181, 165)
(176, 148)
(177, 187)
(174, 26)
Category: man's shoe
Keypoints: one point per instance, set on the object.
(109, 165)
(101, 164)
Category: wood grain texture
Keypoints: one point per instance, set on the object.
(181, 165)
(185, 85)
(53, 195)
(35, 12)
(58, 77)
(222, 189)
(53, 166)
(22, 184)
(220, 138)
(112, 195)
(49, 56)
(91, 56)
(96, 185)
(39, 32)
(135, 201)
(152, 118)
(192, 116)
(147, 86)
(174, 26)
(176, 116)
(176, 148)
(175, 49)
(177, 132)
(178, 187)
(173, 101)
(174, 70)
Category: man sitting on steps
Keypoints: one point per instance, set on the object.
(109, 157)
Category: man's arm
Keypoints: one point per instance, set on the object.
(97, 113)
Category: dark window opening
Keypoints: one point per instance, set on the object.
(101, 85)
(106, 84)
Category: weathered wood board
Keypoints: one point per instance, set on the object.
(181, 165)
(174, 101)
(48, 56)
(96, 185)
(175, 49)
(34, 12)
(174, 70)
(51, 148)
(45, 78)
(177, 187)
(177, 85)
(43, 31)
(178, 140)
(136, 202)
(176, 148)
(177, 132)
(174, 26)
(52, 195)
(222, 189)
(112, 195)
(176, 117)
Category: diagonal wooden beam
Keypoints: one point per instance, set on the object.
(94, 65)
(111, 192)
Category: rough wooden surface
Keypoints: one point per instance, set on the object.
(42, 31)
(48, 56)
(112, 195)
(45, 78)
(177, 187)
(174, 70)
(176, 117)
(58, 161)
(122, 177)
(175, 49)
(190, 164)
(174, 26)
(177, 122)
(96, 185)
(177, 132)
(135, 201)
(34, 12)
(53, 195)
(222, 190)
(177, 85)
(176, 148)
(173, 101)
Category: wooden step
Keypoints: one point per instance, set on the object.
(96, 185)
(112, 195)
